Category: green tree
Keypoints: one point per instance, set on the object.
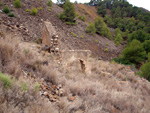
(68, 14)
(118, 31)
(101, 28)
(146, 46)
(145, 70)
(139, 35)
(49, 3)
(91, 29)
(118, 39)
(134, 52)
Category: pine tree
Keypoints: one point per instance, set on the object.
(91, 29)
(134, 52)
(101, 28)
(68, 15)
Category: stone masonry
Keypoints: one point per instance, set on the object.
(50, 42)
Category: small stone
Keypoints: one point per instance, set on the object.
(45, 93)
(72, 98)
(54, 86)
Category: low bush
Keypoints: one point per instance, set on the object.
(6, 80)
(106, 50)
(146, 46)
(50, 8)
(34, 11)
(1, 3)
(6, 9)
(145, 71)
(24, 87)
(27, 10)
(82, 18)
(11, 15)
(82, 36)
(73, 34)
(134, 53)
(40, 8)
(17, 4)
(90, 29)
(49, 3)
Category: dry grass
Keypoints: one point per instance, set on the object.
(16, 100)
(109, 88)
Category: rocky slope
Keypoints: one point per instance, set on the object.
(33, 25)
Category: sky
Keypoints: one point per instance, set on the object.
(140, 3)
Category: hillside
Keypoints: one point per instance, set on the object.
(90, 12)
(34, 26)
(78, 78)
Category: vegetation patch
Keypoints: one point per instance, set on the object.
(1, 3)
(6, 80)
(73, 34)
(68, 15)
(17, 4)
(106, 50)
(11, 15)
(83, 18)
(6, 9)
(90, 29)
(49, 3)
(27, 10)
(34, 11)
(40, 8)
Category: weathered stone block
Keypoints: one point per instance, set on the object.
(47, 33)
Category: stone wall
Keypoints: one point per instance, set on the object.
(50, 42)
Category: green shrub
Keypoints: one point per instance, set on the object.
(146, 46)
(101, 28)
(68, 15)
(34, 11)
(96, 41)
(106, 50)
(11, 15)
(49, 3)
(40, 8)
(6, 9)
(27, 10)
(71, 23)
(122, 61)
(118, 39)
(82, 36)
(17, 4)
(139, 35)
(37, 86)
(24, 87)
(107, 44)
(73, 34)
(1, 3)
(82, 18)
(149, 56)
(145, 71)
(6, 80)
(134, 53)
(50, 8)
(90, 29)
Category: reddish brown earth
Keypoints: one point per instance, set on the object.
(96, 44)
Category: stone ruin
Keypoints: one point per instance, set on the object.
(50, 42)
(49, 38)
